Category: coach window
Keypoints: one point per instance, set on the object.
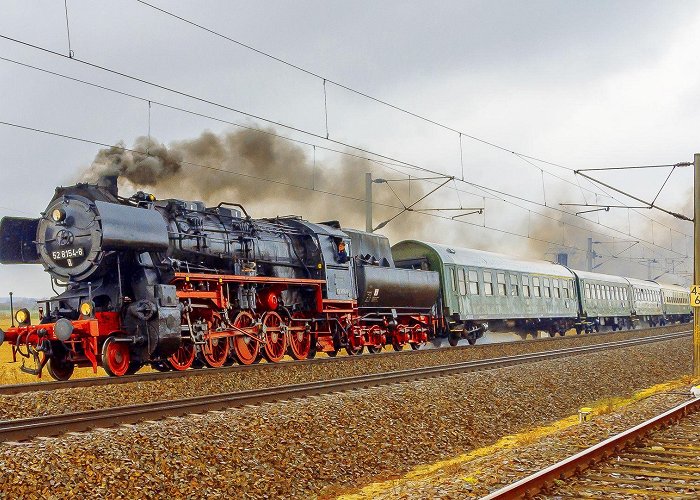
(536, 290)
(557, 292)
(501, 279)
(462, 283)
(588, 290)
(547, 291)
(453, 273)
(565, 288)
(488, 283)
(473, 283)
(514, 285)
(526, 286)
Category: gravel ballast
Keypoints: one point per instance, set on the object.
(333, 443)
(108, 396)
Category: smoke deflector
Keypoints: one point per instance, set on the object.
(17, 236)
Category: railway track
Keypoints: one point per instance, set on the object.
(10, 389)
(659, 458)
(22, 429)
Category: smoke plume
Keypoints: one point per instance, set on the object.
(271, 176)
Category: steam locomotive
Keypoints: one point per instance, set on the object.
(174, 284)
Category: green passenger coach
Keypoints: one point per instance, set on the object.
(483, 290)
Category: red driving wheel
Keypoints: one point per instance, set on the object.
(183, 358)
(215, 351)
(245, 348)
(299, 340)
(275, 338)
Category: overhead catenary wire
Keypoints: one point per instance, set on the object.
(391, 163)
(273, 122)
(373, 98)
(327, 193)
(400, 163)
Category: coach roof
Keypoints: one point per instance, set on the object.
(478, 258)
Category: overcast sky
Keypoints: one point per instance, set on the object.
(581, 84)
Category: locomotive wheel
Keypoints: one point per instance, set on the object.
(374, 349)
(332, 354)
(115, 357)
(276, 340)
(396, 346)
(354, 349)
(60, 369)
(300, 342)
(245, 348)
(183, 358)
(415, 345)
(215, 351)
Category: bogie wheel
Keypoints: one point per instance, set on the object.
(215, 351)
(115, 357)
(299, 341)
(354, 346)
(275, 338)
(183, 358)
(60, 369)
(245, 348)
(471, 339)
(453, 339)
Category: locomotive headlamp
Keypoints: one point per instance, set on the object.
(22, 317)
(58, 214)
(86, 308)
(151, 197)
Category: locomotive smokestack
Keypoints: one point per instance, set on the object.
(108, 182)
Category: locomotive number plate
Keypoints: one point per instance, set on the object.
(68, 256)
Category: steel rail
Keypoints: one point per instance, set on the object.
(51, 425)
(540, 482)
(11, 389)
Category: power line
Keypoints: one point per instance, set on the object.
(393, 164)
(265, 179)
(223, 106)
(325, 80)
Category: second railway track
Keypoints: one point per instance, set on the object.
(22, 429)
(659, 458)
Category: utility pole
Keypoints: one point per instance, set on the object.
(590, 255)
(696, 265)
(368, 202)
